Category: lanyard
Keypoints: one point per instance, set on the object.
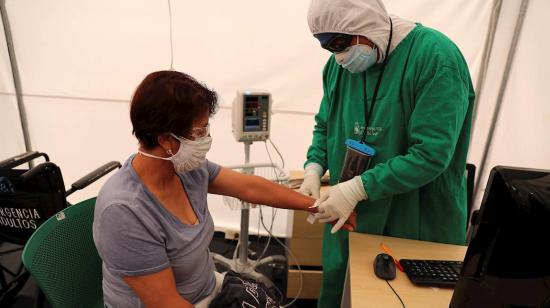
(368, 111)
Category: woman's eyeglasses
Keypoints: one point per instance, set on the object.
(200, 132)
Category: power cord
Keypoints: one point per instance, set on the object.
(273, 212)
(258, 235)
(395, 293)
(272, 220)
(276, 150)
(295, 260)
(269, 231)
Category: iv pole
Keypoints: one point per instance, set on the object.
(243, 264)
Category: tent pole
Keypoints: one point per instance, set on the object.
(487, 50)
(502, 89)
(16, 77)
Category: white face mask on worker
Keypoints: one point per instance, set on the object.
(357, 58)
(191, 153)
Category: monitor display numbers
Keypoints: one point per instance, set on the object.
(251, 107)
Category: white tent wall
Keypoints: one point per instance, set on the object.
(10, 127)
(80, 61)
(521, 133)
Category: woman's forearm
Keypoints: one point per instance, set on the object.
(262, 191)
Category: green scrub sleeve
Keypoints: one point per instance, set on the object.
(440, 107)
(317, 151)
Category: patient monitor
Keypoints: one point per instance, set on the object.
(251, 116)
(250, 122)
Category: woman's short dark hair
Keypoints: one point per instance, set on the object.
(168, 102)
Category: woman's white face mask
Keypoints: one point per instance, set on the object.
(191, 153)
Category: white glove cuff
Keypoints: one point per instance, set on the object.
(313, 169)
(353, 190)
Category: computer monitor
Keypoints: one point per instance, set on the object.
(507, 263)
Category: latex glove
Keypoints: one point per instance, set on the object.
(339, 202)
(312, 180)
(349, 225)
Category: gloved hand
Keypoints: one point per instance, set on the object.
(339, 202)
(312, 180)
(349, 225)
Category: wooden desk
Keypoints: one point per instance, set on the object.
(367, 290)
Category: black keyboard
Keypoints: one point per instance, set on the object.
(434, 273)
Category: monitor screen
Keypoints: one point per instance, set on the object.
(507, 263)
(255, 113)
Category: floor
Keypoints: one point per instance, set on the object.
(276, 272)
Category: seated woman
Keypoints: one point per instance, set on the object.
(152, 227)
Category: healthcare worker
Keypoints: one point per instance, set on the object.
(410, 88)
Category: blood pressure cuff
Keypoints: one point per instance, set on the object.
(238, 291)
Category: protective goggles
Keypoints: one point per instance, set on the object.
(335, 42)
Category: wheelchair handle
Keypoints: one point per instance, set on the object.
(21, 159)
(93, 176)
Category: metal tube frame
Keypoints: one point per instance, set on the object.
(16, 78)
(245, 214)
(487, 51)
(502, 90)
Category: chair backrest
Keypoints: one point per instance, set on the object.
(62, 258)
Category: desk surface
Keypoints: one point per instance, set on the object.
(367, 290)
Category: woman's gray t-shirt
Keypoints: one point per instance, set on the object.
(135, 235)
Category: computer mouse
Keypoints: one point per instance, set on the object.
(384, 267)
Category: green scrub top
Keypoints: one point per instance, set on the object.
(420, 128)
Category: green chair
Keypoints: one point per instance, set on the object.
(62, 258)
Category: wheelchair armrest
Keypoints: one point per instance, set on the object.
(93, 176)
(21, 159)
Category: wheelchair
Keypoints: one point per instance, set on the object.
(28, 197)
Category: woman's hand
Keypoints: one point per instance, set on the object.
(350, 224)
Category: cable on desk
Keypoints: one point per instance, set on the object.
(395, 293)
